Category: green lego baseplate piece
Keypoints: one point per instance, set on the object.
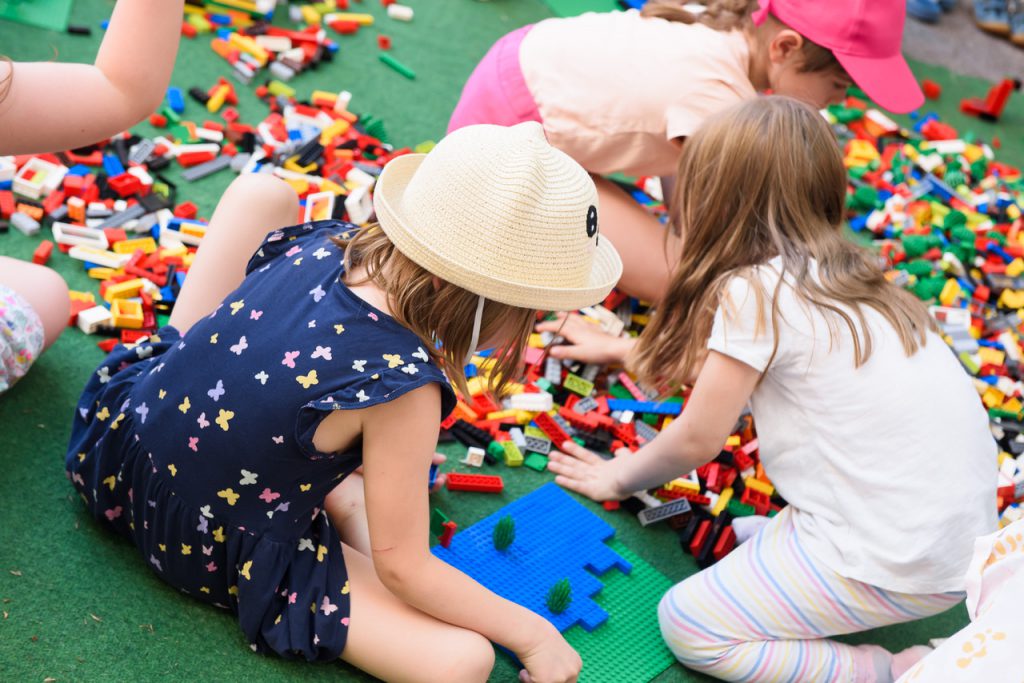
(628, 646)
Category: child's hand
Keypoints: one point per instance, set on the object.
(550, 659)
(587, 473)
(438, 460)
(588, 343)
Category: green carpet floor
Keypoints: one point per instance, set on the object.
(76, 603)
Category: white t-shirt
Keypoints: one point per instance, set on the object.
(890, 467)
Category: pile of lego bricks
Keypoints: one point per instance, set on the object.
(605, 410)
(945, 216)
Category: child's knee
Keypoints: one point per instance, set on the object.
(471, 662)
(679, 618)
(271, 194)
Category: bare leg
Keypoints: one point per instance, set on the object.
(395, 642)
(640, 241)
(44, 290)
(252, 206)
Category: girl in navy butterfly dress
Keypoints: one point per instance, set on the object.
(226, 445)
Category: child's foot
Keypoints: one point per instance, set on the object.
(904, 660)
(992, 16)
(927, 11)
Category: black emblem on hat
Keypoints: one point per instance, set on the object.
(592, 221)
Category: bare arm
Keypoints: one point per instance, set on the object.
(398, 441)
(54, 106)
(696, 437)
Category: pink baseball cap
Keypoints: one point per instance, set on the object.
(864, 35)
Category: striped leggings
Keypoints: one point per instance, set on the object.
(763, 612)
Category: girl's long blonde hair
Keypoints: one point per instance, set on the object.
(440, 313)
(729, 15)
(766, 179)
(8, 80)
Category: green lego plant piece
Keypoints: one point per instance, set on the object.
(559, 596)
(536, 461)
(437, 520)
(628, 646)
(504, 533)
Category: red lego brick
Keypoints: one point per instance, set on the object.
(551, 429)
(384, 42)
(43, 252)
(932, 90)
(725, 543)
(482, 483)
(445, 539)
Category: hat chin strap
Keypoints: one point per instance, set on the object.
(477, 321)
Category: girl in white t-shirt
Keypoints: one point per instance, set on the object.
(867, 424)
(619, 92)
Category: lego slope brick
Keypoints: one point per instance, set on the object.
(627, 647)
(556, 538)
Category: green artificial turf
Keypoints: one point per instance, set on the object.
(76, 603)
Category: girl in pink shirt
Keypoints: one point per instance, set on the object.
(621, 91)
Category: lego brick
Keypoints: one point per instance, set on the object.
(536, 461)
(663, 511)
(481, 483)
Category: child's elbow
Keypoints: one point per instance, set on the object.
(398, 573)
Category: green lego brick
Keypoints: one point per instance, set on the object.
(738, 509)
(536, 461)
(513, 456)
(619, 391)
(628, 646)
(578, 385)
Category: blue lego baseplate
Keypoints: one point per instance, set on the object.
(556, 538)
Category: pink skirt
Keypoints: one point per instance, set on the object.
(496, 91)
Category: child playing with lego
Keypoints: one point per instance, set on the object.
(225, 446)
(863, 415)
(124, 86)
(620, 92)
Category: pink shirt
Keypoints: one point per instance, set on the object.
(615, 89)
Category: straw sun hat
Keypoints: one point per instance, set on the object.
(501, 213)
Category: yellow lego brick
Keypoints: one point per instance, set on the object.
(217, 99)
(124, 290)
(361, 19)
(249, 46)
(102, 273)
(146, 244)
(187, 259)
(199, 23)
(950, 292)
(683, 484)
(476, 385)
(126, 314)
(722, 502)
(1013, 212)
(1015, 268)
(640, 319)
(292, 164)
(1011, 298)
(535, 341)
(310, 15)
(533, 431)
(170, 252)
(990, 356)
(501, 414)
(82, 296)
(513, 456)
(666, 422)
(992, 398)
(1013, 405)
(759, 486)
(733, 441)
(1003, 456)
(339, 127)
(524, 417)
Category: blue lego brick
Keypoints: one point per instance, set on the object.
(112, 165)
(433, 476)
(650, 407)
(556, 538)
(79, 170)
(176, 99)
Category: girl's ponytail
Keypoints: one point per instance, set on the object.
(722, 15)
